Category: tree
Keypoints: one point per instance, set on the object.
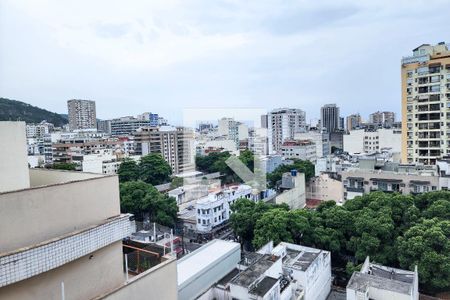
(245, 214)
(64, 166)
(176, 182)
(302, 166)
(393, 229)
(154, 169)
(427, 246)
(128, 170)
(272, 226)
(141, 199)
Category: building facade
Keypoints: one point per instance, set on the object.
(382, 118)
(329, 117)
(300, 149)
(175, 144)
(362, 141)
(283, 123)
(62, 234)
(129, 125)
(425, 104)
(353, 122)
(407, 180)
(214, 209)
(82, 114)
(319, 138)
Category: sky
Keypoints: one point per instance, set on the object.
(166, 56)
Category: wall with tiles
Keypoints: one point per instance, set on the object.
(84, 278)
(31, 262)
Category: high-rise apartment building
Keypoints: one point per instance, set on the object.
(353, 122)
(382, 118)
(329, 117)
(175, 144)
(233, 130)
(426, 104)
(81, 114)
(129, 124)
(283, 123)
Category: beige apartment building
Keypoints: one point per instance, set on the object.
(426, 104)
(175, 144)
(81, 114)
(61, 234)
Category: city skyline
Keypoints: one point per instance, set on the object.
(166, 57)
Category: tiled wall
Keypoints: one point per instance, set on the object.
(33, 261)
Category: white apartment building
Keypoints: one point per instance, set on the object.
(283, 123)
(214, 209)
(309, 267)
(320, 139)
(362, 141)
(105, 161)
(62, 234)
(300, 149)
(383, 283)
(82, 114)
(258, 141)
(232, 130)
(286, 272)
(39, 130)
(426, 104)
(128, 125)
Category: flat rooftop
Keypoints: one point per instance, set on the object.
(361, 282)
(300, 260)
(253, 272)
(391, 273)
(202, 258)
(264, 286)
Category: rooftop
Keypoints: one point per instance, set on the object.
(361, 282)
(299, 259)
(264, 286)
(296, 256)
(253, 272)
(196, 262)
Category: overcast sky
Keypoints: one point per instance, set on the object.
(163, 56)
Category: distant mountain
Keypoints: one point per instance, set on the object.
(12, 110)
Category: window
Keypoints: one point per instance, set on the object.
(199, 221)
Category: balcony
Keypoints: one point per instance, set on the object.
(355, 189)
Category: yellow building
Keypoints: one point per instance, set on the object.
(426, 104)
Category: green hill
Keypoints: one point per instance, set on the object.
(12, 110)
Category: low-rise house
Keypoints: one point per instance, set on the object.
(213, 210)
